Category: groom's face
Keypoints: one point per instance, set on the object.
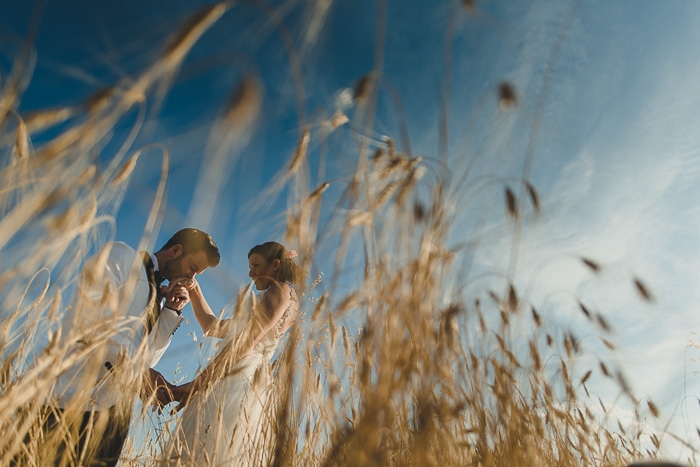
(185, 265)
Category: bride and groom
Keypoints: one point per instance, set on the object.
(116, 331)
(228, 407)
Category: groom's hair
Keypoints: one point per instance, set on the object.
(194, 241)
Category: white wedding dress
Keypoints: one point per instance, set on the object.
(232, 422)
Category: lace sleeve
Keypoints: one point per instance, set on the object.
(290, 313)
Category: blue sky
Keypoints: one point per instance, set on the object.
(615, 156)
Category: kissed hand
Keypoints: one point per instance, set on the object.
(177, 294)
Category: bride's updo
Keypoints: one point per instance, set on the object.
(289, 270)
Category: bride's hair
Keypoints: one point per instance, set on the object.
(289, 270)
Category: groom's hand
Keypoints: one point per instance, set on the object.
(156, 390)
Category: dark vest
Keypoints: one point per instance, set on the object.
(154, 295)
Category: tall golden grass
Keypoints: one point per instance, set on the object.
(410, 364)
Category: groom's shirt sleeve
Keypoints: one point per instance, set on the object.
(162, 333)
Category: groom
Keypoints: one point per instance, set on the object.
(122, 322)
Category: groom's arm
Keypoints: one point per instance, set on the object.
(155, 389)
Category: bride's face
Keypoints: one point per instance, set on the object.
(262, 272)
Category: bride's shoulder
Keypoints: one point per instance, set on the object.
(280, 291)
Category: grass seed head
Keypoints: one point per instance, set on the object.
(592, 265)
(125, 170)
(653, 409)
(603, 323)
(585, 310)
(243, 107)
(361, 89)
(418, 211)
(513, 302)
(507, 98)
(88, 175)
(182, 41)
(511, 203)
(100, 99)
(21, 149)
(300, 152)
(643, 290)
(338, 120)
(42, 119)
(469, 5)
(534, 197)
(379, 154)
(586, 376)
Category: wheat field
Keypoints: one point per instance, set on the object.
(404, 354)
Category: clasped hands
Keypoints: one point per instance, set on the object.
(158, 392)
(177, 292)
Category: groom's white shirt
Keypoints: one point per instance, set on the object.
(107, 318)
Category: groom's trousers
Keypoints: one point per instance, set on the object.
(67, 439)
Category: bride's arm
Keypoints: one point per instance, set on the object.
(265, 316)
(208, 321)
(267, 313)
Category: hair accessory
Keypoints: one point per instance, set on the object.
(291, 254)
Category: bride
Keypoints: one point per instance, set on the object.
(229, 407)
